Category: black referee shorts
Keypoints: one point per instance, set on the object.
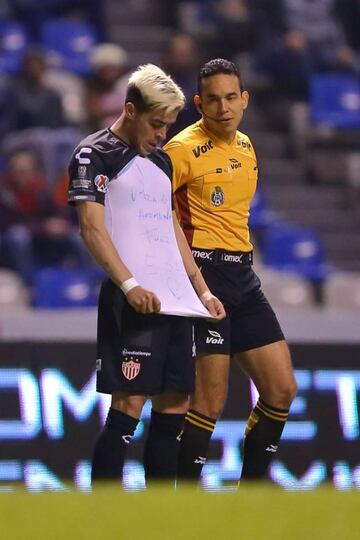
(250, 322)
(141, 354)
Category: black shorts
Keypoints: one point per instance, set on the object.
(250, 321)
(141, 354)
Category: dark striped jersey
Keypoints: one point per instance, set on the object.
(137, 195)
(101, 159)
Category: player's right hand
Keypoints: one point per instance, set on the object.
(143, 301)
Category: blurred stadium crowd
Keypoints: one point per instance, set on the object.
(63, 73)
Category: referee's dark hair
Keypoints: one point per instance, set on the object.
(215, 66)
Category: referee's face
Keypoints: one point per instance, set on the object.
(149, 129)
(222, 104)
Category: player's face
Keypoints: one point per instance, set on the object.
(149, 129)
(222, 104)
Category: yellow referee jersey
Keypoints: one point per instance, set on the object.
(214, 183)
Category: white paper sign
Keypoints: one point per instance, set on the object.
(139, 220)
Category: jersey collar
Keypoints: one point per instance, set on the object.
(212, 136)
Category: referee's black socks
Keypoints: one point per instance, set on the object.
(162, 446)
(195, 441)
(262, 435)
(111, 445)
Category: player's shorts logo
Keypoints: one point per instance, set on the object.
(101, 182)
(130, 369)
(214, 338)
(217, 196)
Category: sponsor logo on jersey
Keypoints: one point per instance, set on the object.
(234, 163)
(217, 197)
(203, 148)
(81, 183)
(200, 460)
(101, 182)
(130, 368)
(81, 198)
(198, 254)
(244, 144)
(214, 338)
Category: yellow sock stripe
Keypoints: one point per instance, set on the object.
(273, 416)
(199, 425)
(199, 419)
(272, 411)
(252, 421)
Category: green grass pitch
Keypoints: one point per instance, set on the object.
(252, 513)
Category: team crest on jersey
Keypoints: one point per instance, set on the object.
(130, 368)
(217, 196)
(101, 182)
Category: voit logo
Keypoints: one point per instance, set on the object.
(202, 149)
(214, 338)
(234, 163)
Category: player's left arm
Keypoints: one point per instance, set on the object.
(211, 302)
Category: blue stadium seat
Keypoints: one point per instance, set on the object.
(295, 249)
(335, 101)
(63, 288)
(261, 216)
(70, 42)
(13, 43)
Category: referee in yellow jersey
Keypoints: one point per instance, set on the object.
(214, 179)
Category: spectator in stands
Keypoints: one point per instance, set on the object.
(105, 89)
(70, 87)
(36, 105)
(349, 14)
(298, 39)
(181, 62)
(235, 30)
(7, 109)
(33, 231)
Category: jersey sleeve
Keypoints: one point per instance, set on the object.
(253, 155)
(179, 157)
(87, 174)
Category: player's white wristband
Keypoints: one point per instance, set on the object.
(206, 296)
(128, 284)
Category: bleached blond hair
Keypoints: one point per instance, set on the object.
(150, 88)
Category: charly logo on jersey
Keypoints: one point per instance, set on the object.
(130, 368)
(101, 182)
(217, 197)
(214, 338)
(203, 148)
(80, 155)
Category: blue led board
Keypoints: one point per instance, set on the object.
(50, 415)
